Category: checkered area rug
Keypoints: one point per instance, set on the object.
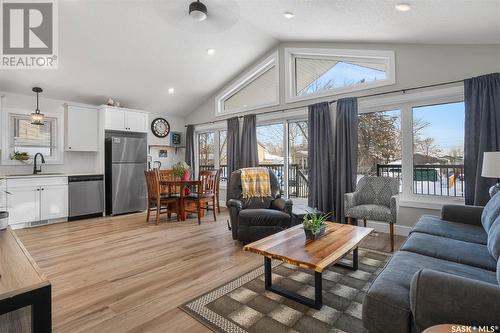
(243, 305)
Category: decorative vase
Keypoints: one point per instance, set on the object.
(310, 235)
(186, 176)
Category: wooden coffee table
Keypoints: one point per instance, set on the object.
(291, 246)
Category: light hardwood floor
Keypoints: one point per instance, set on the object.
(119, 274)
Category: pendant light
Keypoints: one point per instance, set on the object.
(37, 118)
(198, 11)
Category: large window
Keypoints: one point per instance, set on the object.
(223, 155)
(379, 144)
(282, 147)
(419, 141)
(212, 152)
(257, 88)
(438, 149)
(271, 150)
(320, 72)
(298, 141)
(32, 139)
(206, 150)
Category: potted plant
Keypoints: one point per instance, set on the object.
(314, 225)
(183, 170)
(20, 156)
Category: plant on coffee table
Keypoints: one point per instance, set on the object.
(314, 225)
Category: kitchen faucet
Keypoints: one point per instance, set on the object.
(36, 169)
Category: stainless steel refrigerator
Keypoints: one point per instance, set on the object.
(125, 163)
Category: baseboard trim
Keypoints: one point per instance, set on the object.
(400, 230)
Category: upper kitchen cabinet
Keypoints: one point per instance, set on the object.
(82, 128)
(120, 119)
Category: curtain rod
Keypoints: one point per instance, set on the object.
(335, 100)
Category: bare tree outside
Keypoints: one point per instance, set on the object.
(206, 149)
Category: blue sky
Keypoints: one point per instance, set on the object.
(446, 124)
(343, 73)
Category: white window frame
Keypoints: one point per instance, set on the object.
(405, 103)
(382, 56)
(245, 79)
(212, 129)
(56, 158)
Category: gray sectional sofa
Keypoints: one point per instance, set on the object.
(447, 271)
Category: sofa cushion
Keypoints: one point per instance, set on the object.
(370, 212)
(433, 225)
(491, 212)
(494, 239)
(466, 253)
(386, 307)
(263, 217)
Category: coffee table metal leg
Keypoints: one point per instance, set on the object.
(316, 303)
(354, 265)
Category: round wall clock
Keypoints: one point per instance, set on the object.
(160, 127)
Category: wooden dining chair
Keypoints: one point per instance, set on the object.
(168, 175)
(204, 195)
(217, 188)
(157, 199)
(171, 190)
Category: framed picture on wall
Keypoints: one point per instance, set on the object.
(163, 153)
(175, 138)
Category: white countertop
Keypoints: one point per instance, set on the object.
(48, 174)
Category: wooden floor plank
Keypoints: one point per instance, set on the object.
(120, 274)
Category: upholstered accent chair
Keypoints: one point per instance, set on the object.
(255, 218)
(375, 199)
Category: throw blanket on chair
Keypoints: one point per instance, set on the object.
(255, 182)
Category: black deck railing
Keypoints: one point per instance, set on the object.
(297, 177)
(442, 180)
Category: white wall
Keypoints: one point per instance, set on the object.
(416, 65)
(79, 162)
(176, 125)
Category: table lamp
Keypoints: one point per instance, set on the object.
(491, 169)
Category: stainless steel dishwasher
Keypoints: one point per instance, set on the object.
(85, 196)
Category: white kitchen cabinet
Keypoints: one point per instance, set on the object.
(51, 202)
(115, 119)
(81, 128)
(23, 205)
(3, 195)
(136, 121)
(120, 119)
(32, 199)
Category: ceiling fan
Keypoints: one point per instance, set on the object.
(222, 15)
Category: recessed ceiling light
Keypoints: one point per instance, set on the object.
(288, 15)
(403, 7)
(210, 51)
(170, 90)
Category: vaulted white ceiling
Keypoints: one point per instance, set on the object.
(136, 50)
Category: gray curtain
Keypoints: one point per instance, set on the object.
(482, 133)
(189, 157)
(320, 158)
(233, 148)
(346, 152)
(249, 154)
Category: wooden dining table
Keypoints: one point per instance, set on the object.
(181, 185)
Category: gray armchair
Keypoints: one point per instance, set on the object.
(256, 218)
(375, 199)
